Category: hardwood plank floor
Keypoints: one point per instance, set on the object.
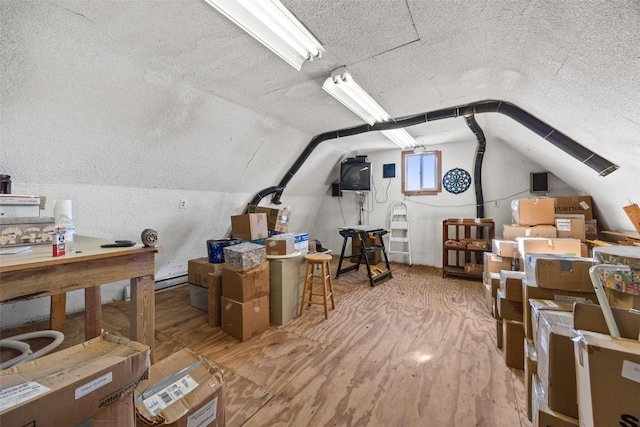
(415, 350)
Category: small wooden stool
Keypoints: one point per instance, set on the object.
(321, 260)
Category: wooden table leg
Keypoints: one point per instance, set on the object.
(92, 312)
(143, 311)
(58, 311)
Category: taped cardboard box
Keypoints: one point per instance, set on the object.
(207, 275)
(494, 263)
(245, 285)
(556, 368)
(509, 310)
(184, 389)
(513, 344)
(571, 226)
(534, 245)
(543, 416)
(71, 385)
(277, 218)
(511, 232)
(549, 299)
(580, 205)
(504, 248)
(511, 284)
(559, 272)
(249, 226)
(281, 244)
(608, 373)
(244, 320)
(535, 211)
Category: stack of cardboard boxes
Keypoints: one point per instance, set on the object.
(245, 291)
(539, 330)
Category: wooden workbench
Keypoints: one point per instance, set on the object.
(37, 273)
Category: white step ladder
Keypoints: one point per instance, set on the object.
(399, 242)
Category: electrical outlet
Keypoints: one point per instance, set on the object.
(183, 204)
(496, 203)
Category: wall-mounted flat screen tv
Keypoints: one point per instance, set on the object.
(355, 175)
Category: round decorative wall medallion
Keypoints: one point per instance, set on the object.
(456, 181)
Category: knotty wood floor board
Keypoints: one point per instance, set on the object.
(415, 350)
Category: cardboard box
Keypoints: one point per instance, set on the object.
(120, 414)
(504, 248)
(245, 320)
(509, 310)
(23, 231)
(245, 255)
(559, 272)
(511, 284)
(206, 275)
(608, 373)
(494, 281)
(513, 231)
(16, 206)
(626, 282)
(494, 263)
(489, 301)
(556, 369)
(282, 244)
(513, 344)
(184, 389)
(536, 211)
(580, 205)
(473, 268)
(543, 416)
(532, 245)
(552, 299)
(530, 369)
(249, 226)
(589, 317)
(499, 333)
(621, 300)
(277, 218)
(71, 385)
(245, 285)
(571, 227)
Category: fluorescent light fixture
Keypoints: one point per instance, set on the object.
(345, 89)
(400, 137)
(273, 25)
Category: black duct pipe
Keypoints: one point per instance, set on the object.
(555, 137)
(477, 173)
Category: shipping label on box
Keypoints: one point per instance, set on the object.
(536, 211)
(184, 390)
(245, 285)
(249, 226)
(71, 385)
(622, 281)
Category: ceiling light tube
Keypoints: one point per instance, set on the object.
(345, 89)
(400, 137)
(273, 25)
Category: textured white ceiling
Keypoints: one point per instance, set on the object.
(572, 64)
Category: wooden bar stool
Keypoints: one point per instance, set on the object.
(325, 281)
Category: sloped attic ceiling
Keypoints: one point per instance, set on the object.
(574, 65)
